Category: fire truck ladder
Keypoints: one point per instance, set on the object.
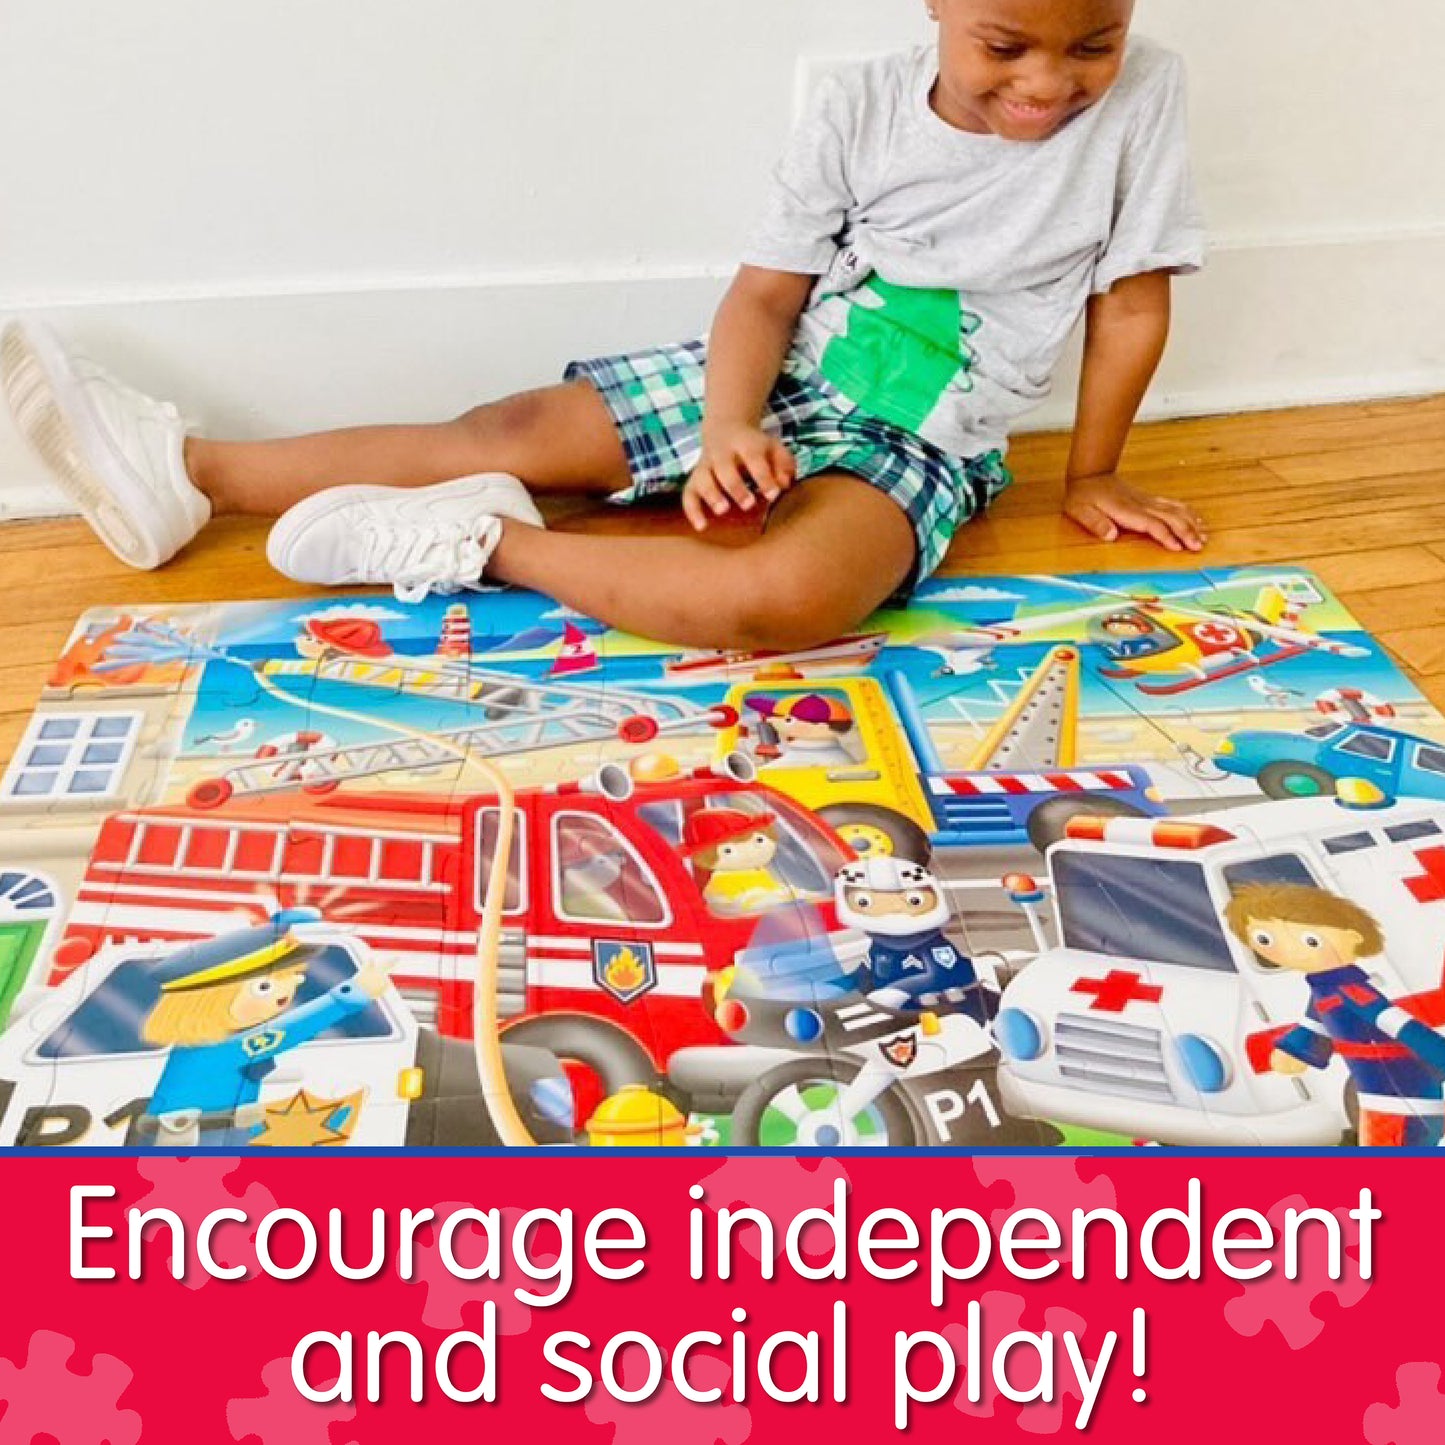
(521, 715)
(1040, 728)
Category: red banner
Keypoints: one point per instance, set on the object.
(629, 1298)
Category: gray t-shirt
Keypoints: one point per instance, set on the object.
(952, 266)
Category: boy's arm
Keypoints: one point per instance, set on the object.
(1125, 332)
(747, 345)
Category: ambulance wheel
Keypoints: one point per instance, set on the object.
(1295, 780)
(873, 832)
(795, 1106)
(1048, 822)
(600, 1058)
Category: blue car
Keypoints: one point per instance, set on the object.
(1309, 764)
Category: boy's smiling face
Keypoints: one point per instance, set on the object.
(1022, 69)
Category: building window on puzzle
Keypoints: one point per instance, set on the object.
(72, 755)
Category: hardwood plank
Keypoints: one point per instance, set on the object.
(1349, 463)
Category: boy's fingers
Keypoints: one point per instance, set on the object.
(708, 494)
(1159, 530)
(1095, 520)
(693, 509)
(761, 466)
(733, 487)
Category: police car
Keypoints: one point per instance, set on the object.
(76, 1066)
(1145, 1018)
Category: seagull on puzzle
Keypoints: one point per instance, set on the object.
(960, 658)
(1273, 694)
(231, 738)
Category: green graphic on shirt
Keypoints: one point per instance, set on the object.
(903, 349)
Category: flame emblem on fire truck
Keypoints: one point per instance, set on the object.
(625, 970)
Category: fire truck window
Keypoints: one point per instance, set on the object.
(1368, 745)
(600, 879)
(109, 1020)
(806, 858)
(1430, 760)
(486, 846)
(664, 819)
(1150, 910)
(1277, 868)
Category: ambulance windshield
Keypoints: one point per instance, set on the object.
(1148, 910)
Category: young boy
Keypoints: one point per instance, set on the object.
(937, 225)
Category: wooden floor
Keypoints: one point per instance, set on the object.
(1348, 492)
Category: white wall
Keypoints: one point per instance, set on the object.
(297, 215)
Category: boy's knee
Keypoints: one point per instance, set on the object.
(512, 421)
(788, 602)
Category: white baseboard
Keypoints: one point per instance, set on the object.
(1296, 322)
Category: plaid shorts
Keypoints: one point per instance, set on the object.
(656, 400)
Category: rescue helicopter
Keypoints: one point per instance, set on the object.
(1172, 643)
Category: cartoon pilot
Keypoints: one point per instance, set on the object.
(736, 849)
(803, 730)
(226, 1022)
(1396, 1060)
(911, 964)
(1131, 634)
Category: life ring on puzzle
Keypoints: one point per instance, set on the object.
(1354, 702)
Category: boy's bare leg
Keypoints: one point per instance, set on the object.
(834, 550)
(560, 438)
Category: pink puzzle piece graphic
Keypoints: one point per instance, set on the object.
(46, 1396)
(778, 1187)
(448, 1298)
(1003, 1314)
(667, 1416)
(1057, 1186)
(281, 1416)
(1419, 1418)
(193, 1187)
(1288, 1304)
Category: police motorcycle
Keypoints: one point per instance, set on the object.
(896, 1053)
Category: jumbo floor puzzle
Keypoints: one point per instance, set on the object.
(1147, 858)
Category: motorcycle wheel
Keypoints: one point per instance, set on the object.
(795, 1106)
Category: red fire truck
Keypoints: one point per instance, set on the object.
(610, 940)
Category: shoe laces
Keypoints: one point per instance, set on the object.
(420, 558)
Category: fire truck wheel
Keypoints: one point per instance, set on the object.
(1049, 820)
(1295, 780)
(602, 1049)
(872, 832)
(795, 1106)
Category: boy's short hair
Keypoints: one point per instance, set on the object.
(1300, 903)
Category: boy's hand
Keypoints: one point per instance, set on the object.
(739, 464)
(1106, 506)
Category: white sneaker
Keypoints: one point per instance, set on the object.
(419, 539)
(118, 455)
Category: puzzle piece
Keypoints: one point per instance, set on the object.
(781, 1189)
(281, 1416)
(49, 1396)
(666, 1415)
(195, 1186)
(450, 1301)
(1419, 1418)
(1289, 1304)
(1002, 1313)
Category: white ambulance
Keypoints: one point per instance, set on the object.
(1151, 1020)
